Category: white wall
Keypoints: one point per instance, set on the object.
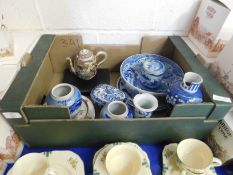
(102, 21)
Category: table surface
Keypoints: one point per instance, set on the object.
(154, 153)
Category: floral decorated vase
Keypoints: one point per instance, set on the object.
(65, 94)
(187, 91)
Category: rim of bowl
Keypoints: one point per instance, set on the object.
(143, 91)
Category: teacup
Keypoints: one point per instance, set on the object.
(33, 163)
(123, 160)
(144, 105)
(195, 157)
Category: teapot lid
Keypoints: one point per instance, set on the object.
(85, 54)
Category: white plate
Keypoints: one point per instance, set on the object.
(63, 163)
(99, 160)
(3, 166)
(169, 161)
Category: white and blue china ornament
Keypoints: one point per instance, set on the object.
(186, 91)
(137, 76)
(65, 94)
(116, 110)
(145, 104)
(104, 93)
(152, 73)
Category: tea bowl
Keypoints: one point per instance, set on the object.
(123, 160)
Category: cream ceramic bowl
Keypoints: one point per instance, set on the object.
(123, 160)
(31, 164)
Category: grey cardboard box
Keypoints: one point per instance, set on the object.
(32, 120)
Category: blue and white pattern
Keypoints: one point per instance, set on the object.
(131, 70)
(105, 115)
(176, 94)
(153, 67)
(192, 88)
(73, 103)
(104, 93)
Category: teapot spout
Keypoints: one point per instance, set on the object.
(70, 65)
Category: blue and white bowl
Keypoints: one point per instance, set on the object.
(104, 93)
(65, 94)
(131, 71)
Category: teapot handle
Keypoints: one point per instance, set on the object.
(70, 64)
(101, 57)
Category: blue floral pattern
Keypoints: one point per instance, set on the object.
(176, 94)
(72, 103)
(131, 70)
(104, 93)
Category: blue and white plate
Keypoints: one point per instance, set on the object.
(131, 70)
(104, 93)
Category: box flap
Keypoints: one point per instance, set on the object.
(14, 97)
(211, 85)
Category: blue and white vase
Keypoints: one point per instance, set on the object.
(66, 95)
(145, 104)
(187, 91)
(116, 110)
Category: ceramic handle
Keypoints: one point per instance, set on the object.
(101, 57)
(216, 162)
(70, 64)
(183, 172)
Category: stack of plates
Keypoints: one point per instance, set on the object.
(99, 167)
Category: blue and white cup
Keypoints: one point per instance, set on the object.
(65, 94)
(145, 104)
(191, 82)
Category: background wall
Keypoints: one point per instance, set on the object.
(102, 21)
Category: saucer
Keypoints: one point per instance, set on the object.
(3, 166)
(99, 160)
(63, 163)
(131, 70)
(86, 110)
(104, 93)
(169, 161)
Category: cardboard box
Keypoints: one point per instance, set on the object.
(209, 31)
(41, 125)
